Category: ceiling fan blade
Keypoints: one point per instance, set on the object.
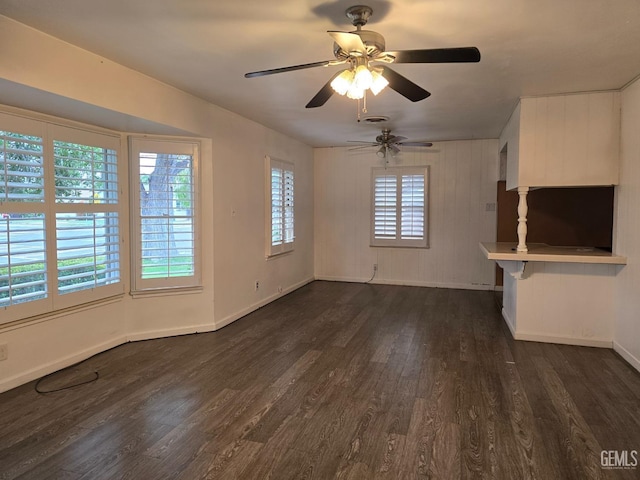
(366, 144)
(416, 144)
(396, 139)
(323, 94)
(349, 42)
(262, 73)
(404, 86)
(437, 55)
(360, 147)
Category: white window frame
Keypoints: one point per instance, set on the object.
(163, 145)
(50, 132)
(286, 207)
(397, 240)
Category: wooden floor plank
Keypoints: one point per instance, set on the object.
(334, 380)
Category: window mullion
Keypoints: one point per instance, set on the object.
(50, 217)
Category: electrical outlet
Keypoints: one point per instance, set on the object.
(4, 352)
(257, 285)
(375, 267)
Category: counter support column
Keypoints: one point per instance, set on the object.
(522, 219)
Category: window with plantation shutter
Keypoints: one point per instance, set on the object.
(86, 219)
(59, 214)
(280, 231)
(164, 212)
(399, 207)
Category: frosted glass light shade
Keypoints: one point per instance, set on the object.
(354, 92)
(362, 77)
(342, 82)
(378, 82)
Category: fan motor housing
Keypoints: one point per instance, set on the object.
(372, 40)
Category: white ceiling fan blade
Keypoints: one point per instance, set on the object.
(349, 42)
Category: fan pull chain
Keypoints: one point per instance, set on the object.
(364, 106)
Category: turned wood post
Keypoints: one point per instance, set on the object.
(522, 219)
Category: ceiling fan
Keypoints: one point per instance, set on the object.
(389, 145)
(363, 51)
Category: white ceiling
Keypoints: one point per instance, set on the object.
(204, 47)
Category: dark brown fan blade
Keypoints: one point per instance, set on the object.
(416, 144)
(323, 95)
(404, 86)
(262, 73)
(437, 55)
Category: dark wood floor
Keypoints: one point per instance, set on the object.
(333, 381)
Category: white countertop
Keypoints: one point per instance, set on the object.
(541, 252)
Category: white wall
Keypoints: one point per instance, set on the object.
(555, 302)
(627, 231)
(239, 233)
(463, 180)
(38, 66)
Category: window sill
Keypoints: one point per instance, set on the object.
(45, 317)
(399, 246)
(272, 256)
(155, 292)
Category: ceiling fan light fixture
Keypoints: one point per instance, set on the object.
(382, 152)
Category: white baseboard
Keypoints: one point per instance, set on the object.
(509, 322)
(559, 339)
(170, 332)
(251, 308)
(627, 355)
(564, 340)
(35, 373)
(329, 278)
(408, 283)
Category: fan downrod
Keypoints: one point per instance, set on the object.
(358, 14)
